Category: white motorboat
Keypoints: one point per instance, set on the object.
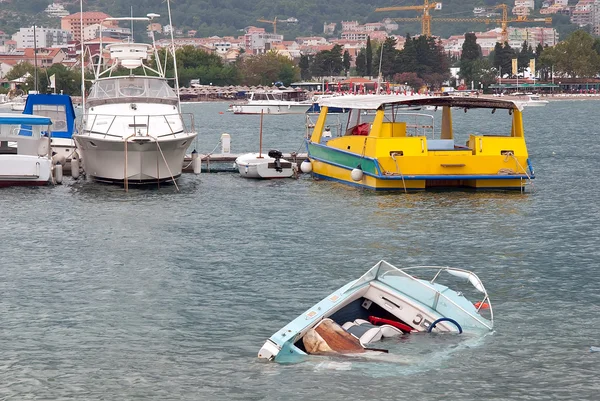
(257, 165)
(25, 158)
(535, 101)
(385, 302)
(274, 102)
(132, 129)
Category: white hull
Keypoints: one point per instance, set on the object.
(24, 170)
(281, 108)
(540, 103)
(63, 147)
(104, 158)
(251, 166)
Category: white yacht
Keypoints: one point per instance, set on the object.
(133, 131)
(274, 102)
(535, 101)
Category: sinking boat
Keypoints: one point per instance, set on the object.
(385, 302)
(386, 144)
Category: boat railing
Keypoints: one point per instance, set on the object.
(418, 124)
(140, 124)
(337, 125)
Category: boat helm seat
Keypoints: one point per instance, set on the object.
(369, 333)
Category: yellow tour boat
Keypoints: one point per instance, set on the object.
(388, 143)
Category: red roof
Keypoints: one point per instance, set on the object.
(88, 14)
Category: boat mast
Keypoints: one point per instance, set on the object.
(35, 72)
(174, 57)
(82, 55)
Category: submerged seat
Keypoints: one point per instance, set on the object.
(369, 333)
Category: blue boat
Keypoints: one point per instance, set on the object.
(59, 108)
(385, 302)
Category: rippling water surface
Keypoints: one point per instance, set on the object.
(154, 294)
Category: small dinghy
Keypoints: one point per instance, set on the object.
(385, 302)
(256, 165)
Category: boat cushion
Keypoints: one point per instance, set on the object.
(369, 333)
(440, 144)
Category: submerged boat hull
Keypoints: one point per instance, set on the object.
(391, 296)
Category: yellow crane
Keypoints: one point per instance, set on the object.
(504, 21)
(274, 23)
(425, 18)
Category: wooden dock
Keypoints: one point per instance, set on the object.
(215, 162)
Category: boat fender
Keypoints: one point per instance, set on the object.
(482, 305)
(357, 173)
(75, 166)
(378, 320)
(58, 173)
(306, 166)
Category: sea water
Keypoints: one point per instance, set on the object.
(155, 294)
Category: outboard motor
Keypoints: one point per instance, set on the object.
(277, 155)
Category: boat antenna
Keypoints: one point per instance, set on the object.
(131, 15)
(81, 58)
(35, 71)
(174, 58)
(379, 74)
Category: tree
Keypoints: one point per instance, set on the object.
(267, 68)
(409, 78)
(471, 52)
(346, 61)
(361, 63)
(574, 57)
(369, 58)
(407, 58)
(328, 62)
(386, 58)
(304, 65)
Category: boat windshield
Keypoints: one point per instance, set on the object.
(141, 87)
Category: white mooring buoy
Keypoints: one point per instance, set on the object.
(225, 143)
(75, 165)
(58, 173)
(306, 166)
(196, 162)
(357, 173)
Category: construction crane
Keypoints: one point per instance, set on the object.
(274, 23)
(425, 18)
(504, 21)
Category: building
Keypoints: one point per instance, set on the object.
(42, 37)
(45, 57)
(258, 41)
(582, 14)
(72, 23)
(56, 10)
(329, 29)
(93, 31)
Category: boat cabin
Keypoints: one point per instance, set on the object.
(397, 143)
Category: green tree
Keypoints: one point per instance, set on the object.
(346, 61)
(328, 62)
(361, 63)
(471, 52)
(304, 65)
(267, 68)
(386, 58)
(369, 58)
(574, 57)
